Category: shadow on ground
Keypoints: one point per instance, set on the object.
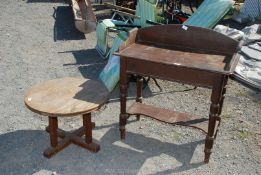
(64, 28)
(88, 61)
(23, 148)
(232, 24)
(90, 64)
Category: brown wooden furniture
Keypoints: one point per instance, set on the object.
(67, 97)
(127, 3)
(185, 54)
(84, 17)
(120, 8)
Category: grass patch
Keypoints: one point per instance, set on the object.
(246, 134)
(242, 93)
(176, 136)
(226, 115)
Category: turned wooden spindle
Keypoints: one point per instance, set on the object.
(139, 86)
(215, 110)
(123, 97)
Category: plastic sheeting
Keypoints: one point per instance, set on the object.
(252, 9)
(232, 33)
(248, 69)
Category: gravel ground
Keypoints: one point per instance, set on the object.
(37, 44)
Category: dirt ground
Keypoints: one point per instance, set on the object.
(38, 42)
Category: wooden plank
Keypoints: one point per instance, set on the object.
(126, 14)
(172, 73)
(131, 39)
(193, 37)
(190, 59)
(168, 116)
(119, 8)
(84, 17)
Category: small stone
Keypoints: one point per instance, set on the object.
(245, 129)
(257, 122)
(227, 156)
(72, 125)
(54, 173)
(240, 112)
(141, 127)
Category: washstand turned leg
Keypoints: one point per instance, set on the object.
(123, 98)
(139, 85)
(217, 98)
(224, 89)
(123, 115)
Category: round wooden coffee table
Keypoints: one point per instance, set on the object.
(67, 97)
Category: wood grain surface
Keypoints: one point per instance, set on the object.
(66, 96)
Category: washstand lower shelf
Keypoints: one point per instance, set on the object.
(168, 116)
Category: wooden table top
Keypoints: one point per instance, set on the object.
(182, 46)
(66, 96)
(192, 59)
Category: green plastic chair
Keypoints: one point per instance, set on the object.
(145, 11)
(207, 16)
(209, 13)
(101, 34)
(110, 74)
